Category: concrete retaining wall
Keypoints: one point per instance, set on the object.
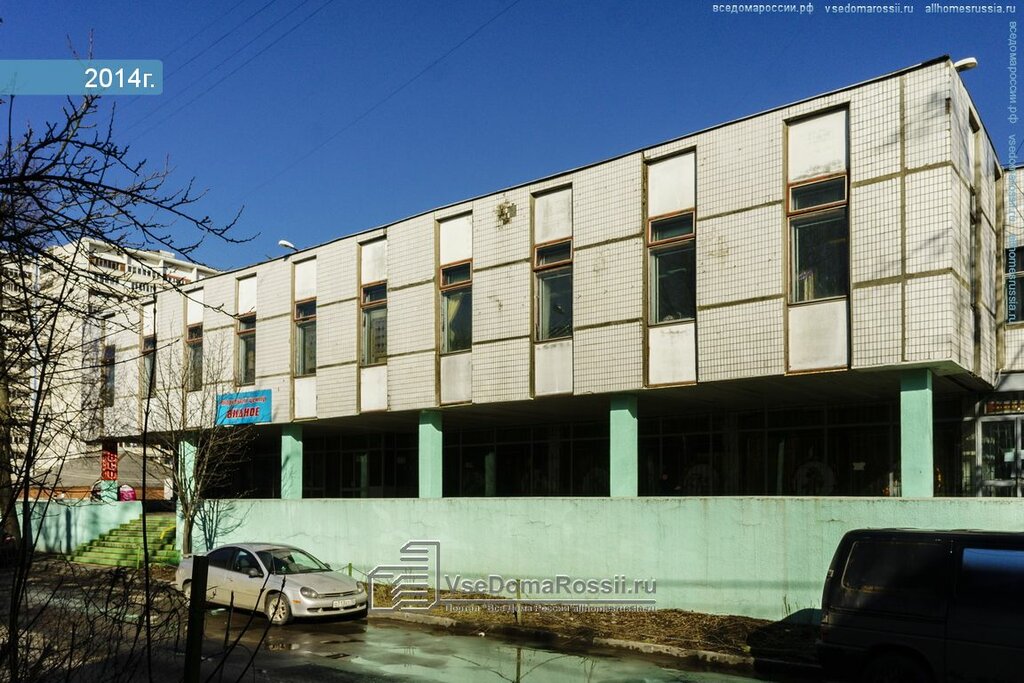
(761, 557)
(62, 527)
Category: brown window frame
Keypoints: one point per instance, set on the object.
(239, 335)
(190, 344)
(537, 248)
(447, 290)
(299, 322)
(364, 307)
(837, 207)
(149, 357)
(544, 270)
(653, 243)
(108, 376)
(790, 212)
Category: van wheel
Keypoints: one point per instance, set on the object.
(895, 668)
(277, 609)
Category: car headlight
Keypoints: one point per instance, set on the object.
(361, 586)
(309, 593)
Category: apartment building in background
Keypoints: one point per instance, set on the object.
(105, 282)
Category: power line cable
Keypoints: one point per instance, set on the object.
(239, 67)
(203, 29)
(218, 40)
(186, 42)
(386, 98)
(214, 68)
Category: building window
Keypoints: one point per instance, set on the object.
(375, 323)
(673, 268)
(305, 338)
(553, 266)
(817, 194)
(457, 307)
(149, 363)
(820, 255)
(194, 354)
(108, 378)
(247, 349)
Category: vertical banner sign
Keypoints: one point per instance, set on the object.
(108, 465)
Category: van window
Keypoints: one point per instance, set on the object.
(908, 577)
(991, 576)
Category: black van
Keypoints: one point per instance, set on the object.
(925, 606)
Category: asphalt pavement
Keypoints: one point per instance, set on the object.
(379, 650)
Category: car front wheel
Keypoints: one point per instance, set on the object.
(277, 609)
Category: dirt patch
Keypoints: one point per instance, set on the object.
(733, 635)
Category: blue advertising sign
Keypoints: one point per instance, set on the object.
(244, 407)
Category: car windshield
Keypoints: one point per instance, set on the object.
(291, 561)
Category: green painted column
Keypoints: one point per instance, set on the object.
(187, 461)
(291, 461)
(430, 449)
(491, 474)
(917, 466)
(622, 472)
(186, 479)
(364, 475)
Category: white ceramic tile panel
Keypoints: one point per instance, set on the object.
(608, 282)
(875, 320)
(745, 340)
(739, 256)
(875, 231)
(501, 371)
(411, 382)
(608, 358)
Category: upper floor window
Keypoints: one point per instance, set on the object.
(194, 355)
(375, 323)
(194, 340)
(671, 239)
(305, 338)
(457, 308)
(245, 372)
(816, 206)
(148, 348)
(553, 267)
(108, 378)
(247, 349)
(455, 241)
(149, 364)
(304, 296)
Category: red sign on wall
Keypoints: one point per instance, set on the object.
(108, 465)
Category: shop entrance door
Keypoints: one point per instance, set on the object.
(1001, 457)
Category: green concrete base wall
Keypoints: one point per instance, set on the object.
(62, 527)
(761, 557)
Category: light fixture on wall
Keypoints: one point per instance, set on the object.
(287, 245)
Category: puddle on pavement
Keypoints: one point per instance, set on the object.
(412, 654)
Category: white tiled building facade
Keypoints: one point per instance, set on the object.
(743, 300)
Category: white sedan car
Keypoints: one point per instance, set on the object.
(281, 581)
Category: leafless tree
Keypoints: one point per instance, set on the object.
(182, 417)
(60, 184)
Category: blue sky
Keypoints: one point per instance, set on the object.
(325, 117)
